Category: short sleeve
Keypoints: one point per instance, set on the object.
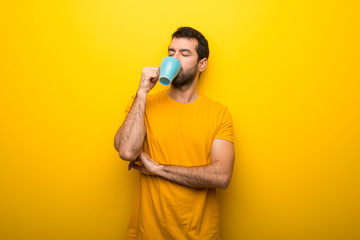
(225, 129)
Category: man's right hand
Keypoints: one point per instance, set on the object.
(149, 77)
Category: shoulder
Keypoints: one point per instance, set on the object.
(156, 102)
(156, 97)
(213, 105)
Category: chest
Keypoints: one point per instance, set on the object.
(181, 131)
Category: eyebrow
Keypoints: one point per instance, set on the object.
(181, 50)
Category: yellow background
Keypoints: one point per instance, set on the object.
(287, 70)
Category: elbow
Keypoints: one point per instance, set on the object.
(126, 155)
(225, 181)
(116, 146)
(117, 143)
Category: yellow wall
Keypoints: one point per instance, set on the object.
(287, 70)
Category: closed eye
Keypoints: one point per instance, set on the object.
(171, 52)
(185, 52)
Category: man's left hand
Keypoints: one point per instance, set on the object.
(148, 167)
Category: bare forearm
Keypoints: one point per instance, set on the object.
(198, 177)
(130, 137)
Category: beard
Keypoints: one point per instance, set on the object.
(185, 78)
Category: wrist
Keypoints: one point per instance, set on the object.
(159, 169)
(141, 93)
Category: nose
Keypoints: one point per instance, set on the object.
(177, 55)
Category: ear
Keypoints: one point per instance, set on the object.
(202, 64)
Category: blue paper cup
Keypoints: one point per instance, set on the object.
(169, 69)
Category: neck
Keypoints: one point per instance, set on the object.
(185, 94)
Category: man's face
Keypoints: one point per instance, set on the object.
(184, 50)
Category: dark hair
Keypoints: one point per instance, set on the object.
(202, 48)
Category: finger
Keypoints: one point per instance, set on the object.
(155, 69)
(153, 76)
(135, 166)
(144, 171)
(132, 163)
(154, 80)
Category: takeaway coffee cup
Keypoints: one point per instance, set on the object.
(169, 69)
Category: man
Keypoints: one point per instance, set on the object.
(182, 143)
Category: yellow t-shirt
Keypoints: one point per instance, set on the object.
(179, 134)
